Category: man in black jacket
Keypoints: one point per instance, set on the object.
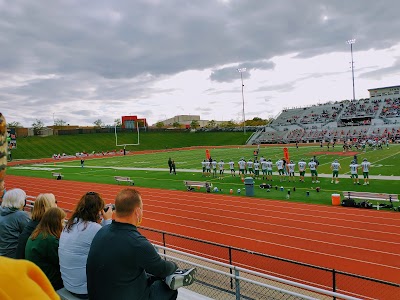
(120, 259)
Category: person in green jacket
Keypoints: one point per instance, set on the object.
(42, 245)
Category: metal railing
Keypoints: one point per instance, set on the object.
(214, 280)
(310, 275)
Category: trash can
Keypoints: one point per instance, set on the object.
(249, 185)
(336, 199)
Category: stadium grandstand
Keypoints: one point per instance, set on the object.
(373, 118)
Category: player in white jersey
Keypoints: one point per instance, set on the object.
(269, 170)
(203, 165)
(354, 172)
(250, 167)
(214, 168)
(221, 165)
(366, 165)
(335, 167)
(302, 169)
(281, 171)
(232, 167)
(263, 164)
(256, 166)
(291, 167)
(208, 164)
(313, 169)
(242, 167)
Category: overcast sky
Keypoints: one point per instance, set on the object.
(80, 61)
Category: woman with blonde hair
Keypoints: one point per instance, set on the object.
(42, 203)
(42, 245)
(13, 220)
(86, 220)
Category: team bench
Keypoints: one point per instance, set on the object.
(30, 202)
(57, 175)
(190, 185)
(372, 196)
(124, 179)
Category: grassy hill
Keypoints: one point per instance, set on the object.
(45, 147)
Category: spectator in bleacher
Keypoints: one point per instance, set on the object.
(42, 203)
(13, 220)
(76, 238)
(42, 246)
(121, 259)
(22, 279)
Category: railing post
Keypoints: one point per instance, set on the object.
(164, 244)
(237, 283)
(334, 282)
(230, 262)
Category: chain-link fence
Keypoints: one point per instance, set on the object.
(224, 287)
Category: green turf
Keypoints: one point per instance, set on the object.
(102, 170)
(45, 147)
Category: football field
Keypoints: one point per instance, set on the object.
(150, 169)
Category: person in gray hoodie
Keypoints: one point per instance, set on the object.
(13, 220)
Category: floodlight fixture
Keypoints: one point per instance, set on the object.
(241, 70)
(351, 42)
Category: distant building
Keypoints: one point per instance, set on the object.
(132, 121)
(186, 120)
(384, 91)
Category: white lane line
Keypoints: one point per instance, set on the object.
(278, 234)
(276, 244)
(277, 225)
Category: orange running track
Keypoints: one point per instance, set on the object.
(364, 242)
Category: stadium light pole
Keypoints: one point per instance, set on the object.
(241, 70)
(351, 42)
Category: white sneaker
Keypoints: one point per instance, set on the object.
(365, 183)
(317, 181)
(331, 181)
(181, 278)
(336, 182)
(313, 181)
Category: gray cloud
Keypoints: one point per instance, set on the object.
(231, 74)
(378, 74)
(109, 55)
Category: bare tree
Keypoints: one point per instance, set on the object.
(59, 122)
(14, 125)
(98, 123)
(38, 125)
(117, 122)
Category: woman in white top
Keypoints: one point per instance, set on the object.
(87, 219)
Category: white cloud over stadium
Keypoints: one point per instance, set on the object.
(89, 60)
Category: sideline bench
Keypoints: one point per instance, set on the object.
(190, 185)
(57, 175)
(124, 179)
(30, 200)
(372, 196)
